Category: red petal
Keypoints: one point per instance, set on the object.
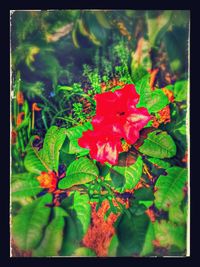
(139, 118)
(87, 140)
(103, 144)
(107, 151)
(135, 121)
(105, 103)
(127, 95)
(131, 134)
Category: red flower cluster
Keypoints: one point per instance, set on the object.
(116, 117)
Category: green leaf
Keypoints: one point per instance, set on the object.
(144, 197)
(77, 223)
(176, 215)
(112, 250)
(148, 247)
(82, 209)
(74, 134)
(25, 187)
(146, 203)
(143, 84)
(24, 123)
(21, 176)
(102, 19)
(181, 90)
(66, 158)
(32, 89)
(28, 225)
(84, 252)
(129, 176)
(33, 161)
(132, 235)
(46, 159)
(170, 188)
(160, 163)
(137, 209)
(53, 142)
(70, 238)
(80, 171)
(143, 194)
(58, 211)
(52, 241)
(176, 44)
(97, 32)
(158, 144)
(169, 234)
(153, 100)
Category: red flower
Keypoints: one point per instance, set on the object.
(119, 110)
(116, 117)
(103, 144)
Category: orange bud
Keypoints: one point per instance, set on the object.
(13, 136)
(20, 98)
(165, 116)
(20, 118)
(35, 107)
(48, 180)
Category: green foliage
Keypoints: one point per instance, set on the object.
(143, 199)
(84, 252)
(170, 188)
(153, 100)
(80, 171)
(83, 211)
(53, 141)
(33, 162)
(77, 222)
(158, 25)
(93, 26)
(93, 77)
(160, 163)
(47, 158)
(71, 146)
(176, 215)
(176, 53)
(158, 144)
(52, 241)
(169, 234)
(142, 82)
(26, 185)
(148, 247)
(181, 90)
(32, 89)
(112, 250)
(134, 235)
(126, 177)
(28, 225)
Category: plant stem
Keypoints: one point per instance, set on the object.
(33, 119)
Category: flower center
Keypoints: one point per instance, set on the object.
(121, 113)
